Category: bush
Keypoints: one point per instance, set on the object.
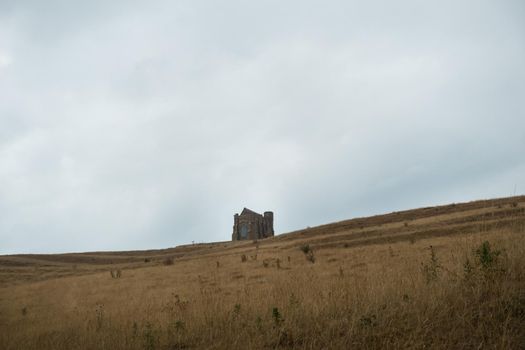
(308, 253)
(168, 261)
(305, 248)
(487, 257)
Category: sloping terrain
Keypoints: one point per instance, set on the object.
(446, 277)
(407, 225)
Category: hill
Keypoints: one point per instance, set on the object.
(435, 277)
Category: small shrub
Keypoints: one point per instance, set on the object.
(147, 260)
(244, 258)
(487, 257)
(305, 248)
(24, 311)
(218, 264)
(277, 317)
(266, 263)
(168, 261)
(308, 253)
(278, 263)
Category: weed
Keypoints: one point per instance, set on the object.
(99, 316)
(278, 263)
(308, 253)
(244, 258)
(341, 272)
(218, 264)
(467, 269)
(391, 251)
(179, 325)
(277, 317)
(149, 337)
(310, 256)
(305, 248)
(431, 270)
(266, 263)
(115, 274)
(147, 260)
(487, 257)
(258, 323)
(293, 300)
(236, 310)
(135, 329)
(368, 320)
(168, 261)
(24, 311)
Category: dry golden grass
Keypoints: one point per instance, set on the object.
(373, 285)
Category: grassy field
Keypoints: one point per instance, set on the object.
(448, 277)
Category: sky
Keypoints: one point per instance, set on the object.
(148, 124)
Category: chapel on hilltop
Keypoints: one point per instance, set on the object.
(252, 225)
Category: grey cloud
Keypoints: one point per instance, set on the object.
(131, 125)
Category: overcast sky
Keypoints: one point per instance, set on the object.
(136, 125)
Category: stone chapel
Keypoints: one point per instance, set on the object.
(252, 225)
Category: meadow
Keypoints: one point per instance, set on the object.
(447, 277)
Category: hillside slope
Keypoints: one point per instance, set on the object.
(447, 277)
(409, 225)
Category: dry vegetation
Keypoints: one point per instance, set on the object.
(443, 277)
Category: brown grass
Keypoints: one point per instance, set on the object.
(382, 290)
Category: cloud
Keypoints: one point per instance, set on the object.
(133, 126)
(5, 60)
